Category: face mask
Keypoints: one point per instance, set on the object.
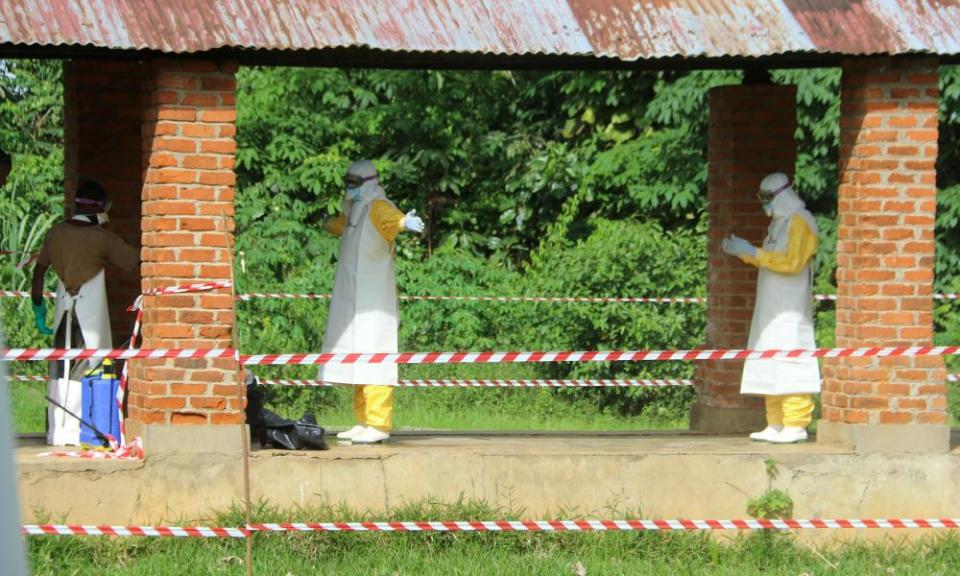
(354, 185)
(768, 209)
(102, 218)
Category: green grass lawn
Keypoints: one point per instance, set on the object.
(442, 409)
(421, 409)
(479, 409)
(28, 405)
(529, 554)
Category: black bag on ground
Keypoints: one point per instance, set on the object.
(271, 429)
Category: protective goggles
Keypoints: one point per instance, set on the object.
(354, 181)
(766, 197)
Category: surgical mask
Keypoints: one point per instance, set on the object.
(99, 219)
(354, 184)
(768, 209)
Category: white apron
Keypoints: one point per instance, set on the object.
(90, 307)
(363, 309)
(782, 319)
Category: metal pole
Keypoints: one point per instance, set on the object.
(11, 543)
(243, 428)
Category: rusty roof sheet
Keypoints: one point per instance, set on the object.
(624, 30)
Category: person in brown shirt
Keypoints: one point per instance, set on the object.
(78, 250)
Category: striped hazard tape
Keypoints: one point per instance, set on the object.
(131, 451)
(539, 299)
(154, 531)
(608, 525)
(207, 286)
(586, 356)
(473, 383)
(494, 526)
(44, 354)
(184, 289)
(498, 383)
(655, 383)
(19, 294)
(198, 287)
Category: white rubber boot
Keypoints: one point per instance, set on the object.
(349, 434)
(790, 435)
(371, 435)
(767, 434)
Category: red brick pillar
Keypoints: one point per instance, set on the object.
(885, 256)
(102, 123)
(751, 134)
(188, 193)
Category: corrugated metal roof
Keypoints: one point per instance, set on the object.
(621, 29)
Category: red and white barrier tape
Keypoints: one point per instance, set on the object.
(658, 383)
(206, 286)
(498, 383)
(495, 526)
(607, 525)
(45, 354)
(281, 296)
(547, 299)
(133, 451)
(187, 288)
(469, 383)
(122, 388)
(198, 287)
(156, 531)
(586, 356)
(19, 294)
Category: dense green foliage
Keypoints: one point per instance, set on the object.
(466, 554)
(535, 183)
(532, 183)
(31, 132)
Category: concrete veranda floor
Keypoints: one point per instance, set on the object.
(653, 474)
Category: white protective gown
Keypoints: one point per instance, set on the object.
(90, 307)
(363, 309)
(783, 314)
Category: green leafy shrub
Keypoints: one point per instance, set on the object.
(773, 503)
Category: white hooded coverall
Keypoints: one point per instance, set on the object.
(363, 309)
(783, 315)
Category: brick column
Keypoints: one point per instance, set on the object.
(885, 256)
(188, 193)
(751, 134)
(102, 123)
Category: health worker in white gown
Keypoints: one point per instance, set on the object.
(363, 309)
(783, 312)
